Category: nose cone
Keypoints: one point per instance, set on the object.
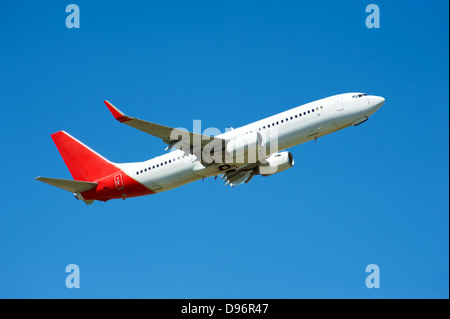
(378, 101)
(375, 103)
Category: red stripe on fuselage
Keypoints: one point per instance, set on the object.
(116, 185)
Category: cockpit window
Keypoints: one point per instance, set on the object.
(356, 96)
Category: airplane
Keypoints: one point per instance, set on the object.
(237, 155)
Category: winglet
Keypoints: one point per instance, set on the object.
(118, 115)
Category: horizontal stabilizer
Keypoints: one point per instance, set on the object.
(68, 185)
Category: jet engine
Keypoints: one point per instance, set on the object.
(276, 163)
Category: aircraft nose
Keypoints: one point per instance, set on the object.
(378, 100)
(375, 103)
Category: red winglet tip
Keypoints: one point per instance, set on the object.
(116, 113)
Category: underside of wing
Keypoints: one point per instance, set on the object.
(240, 175)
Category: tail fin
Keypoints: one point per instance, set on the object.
(83, 163)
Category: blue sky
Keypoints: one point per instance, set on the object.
(374, 194)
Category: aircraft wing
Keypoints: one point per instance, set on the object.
(174, 137)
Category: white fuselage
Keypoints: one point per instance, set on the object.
(293, 127)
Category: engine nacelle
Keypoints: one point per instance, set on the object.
(244, 148)
(276, 163)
